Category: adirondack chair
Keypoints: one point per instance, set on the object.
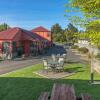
(65, 57)
(54, 57)
(61, 59)
(47, 66)
(58, 56)
(60, 65)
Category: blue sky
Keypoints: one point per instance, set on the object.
(32, 13)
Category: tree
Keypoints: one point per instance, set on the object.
(91, 18)
(90, 8)
(93, 26)
(3, 27)
(57, 33)
(71, 33)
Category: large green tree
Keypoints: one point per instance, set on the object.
(94, 26)
(90, 20)
(90, 8)
(57, 33)
(3, 27)
(71, 33)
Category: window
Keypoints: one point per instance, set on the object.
(6, 47)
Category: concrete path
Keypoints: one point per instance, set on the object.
(75, 56)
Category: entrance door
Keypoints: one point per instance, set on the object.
(20, 49)
(27, 47)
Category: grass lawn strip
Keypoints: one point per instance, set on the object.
(25, 85)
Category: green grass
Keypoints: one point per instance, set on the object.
(24, 85)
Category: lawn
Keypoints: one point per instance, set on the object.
(24, 85)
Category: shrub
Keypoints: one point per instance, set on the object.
(97, 56)
(74, 47)
(83, 50)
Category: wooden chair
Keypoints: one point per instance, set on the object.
(60, 65)
(54, 57)
(65, 57)
(60, 59)
(58, 56)
(47, 66)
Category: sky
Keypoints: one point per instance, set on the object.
(29, 14)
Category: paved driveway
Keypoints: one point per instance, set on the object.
(8, 66)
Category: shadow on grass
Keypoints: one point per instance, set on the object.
(30, 88)
(75, 69)
(73, 62)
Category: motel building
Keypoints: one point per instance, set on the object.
(17, 42)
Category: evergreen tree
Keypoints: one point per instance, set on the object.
(57, 33)
(3, 27)
(71, 33)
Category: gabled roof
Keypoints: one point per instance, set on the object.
(33, 35)
(9, 34)
(40, 29)
(39, 37)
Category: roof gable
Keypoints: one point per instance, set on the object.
(12, 34)
(9, 34)
(40, 29)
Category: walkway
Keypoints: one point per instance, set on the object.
(75, 56)
(8, 66)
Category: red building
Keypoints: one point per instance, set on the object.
(16, 42)
(44, 33)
